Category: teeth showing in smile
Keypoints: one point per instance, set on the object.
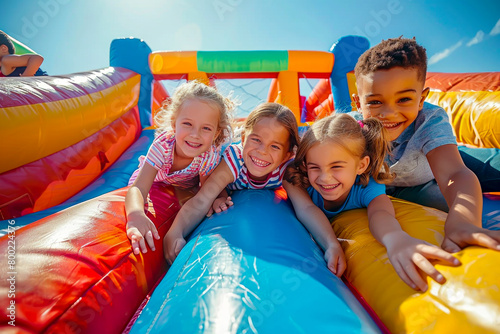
(193, 145)
(260, 163)
(330, 186)
(388, 125)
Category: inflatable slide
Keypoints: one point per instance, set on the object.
(69, 144)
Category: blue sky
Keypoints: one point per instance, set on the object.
(74, 35)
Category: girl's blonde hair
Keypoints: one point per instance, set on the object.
(279, 112)
(167, 115)
(359, 138)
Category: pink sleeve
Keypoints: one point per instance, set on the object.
(210, 161)
(157, 151)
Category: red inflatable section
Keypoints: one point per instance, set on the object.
(319, 103)
(89, 281)
(456, 82)
(159, 95)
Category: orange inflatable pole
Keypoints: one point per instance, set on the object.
(273, 91)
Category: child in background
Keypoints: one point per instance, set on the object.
(338, 167)
(259, 162)
(187, 148)
(429, 170)
(12, 65)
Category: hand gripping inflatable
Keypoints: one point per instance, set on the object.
(469, 302)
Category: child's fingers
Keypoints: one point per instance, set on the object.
(332, 265)
(135, 245)
(150, 240)
(210, 212)
(170, 256)
(179, 244)
(341, 266)
(436, 253)
(404, 276)
(156, 235)
(486, 239)
(450, 246)
(136, 240)
(142, 245)
(413, 274)
(424, 265)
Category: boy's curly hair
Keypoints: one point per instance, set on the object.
(395, 52)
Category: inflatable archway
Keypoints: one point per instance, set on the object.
(71, 266)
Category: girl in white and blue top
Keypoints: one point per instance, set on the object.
(233, 156)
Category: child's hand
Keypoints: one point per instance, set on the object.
(220, 204)
(460, 235)
(140, 228)
(407, 254)
(172, 245)
(335, 259)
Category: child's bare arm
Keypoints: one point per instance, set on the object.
(462, 191)
(193, 211)
(31, 61)
(405, 252)
(140, 229)
(318, 225)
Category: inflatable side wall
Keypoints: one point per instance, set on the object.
(70, 128)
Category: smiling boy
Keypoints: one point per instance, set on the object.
(429, 170)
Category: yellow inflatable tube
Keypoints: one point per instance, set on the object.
(469, 302)
(475, 116)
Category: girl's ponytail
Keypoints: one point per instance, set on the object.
(377, 148)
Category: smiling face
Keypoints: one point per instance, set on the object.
(195, 128)
(265, 147)
(332, 171)
(394, 96)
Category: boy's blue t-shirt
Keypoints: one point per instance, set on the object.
(408, 160)
(359, 197)
(431, 129)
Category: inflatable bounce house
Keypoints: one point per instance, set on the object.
(70, 143)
